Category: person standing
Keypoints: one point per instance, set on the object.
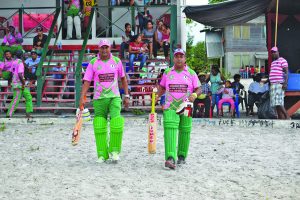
(105, 70)
(180, 83)
(278, 79)
(19, 89)
(73, 15)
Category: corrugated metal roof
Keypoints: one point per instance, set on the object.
(214, 45)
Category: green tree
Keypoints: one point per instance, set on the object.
(215, 1)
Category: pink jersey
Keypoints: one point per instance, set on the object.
(276, 70)
(105, 75)
(179, 86)
(6, 65)
(17, 67)
(11, 39)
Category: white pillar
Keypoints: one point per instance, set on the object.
(182, 32)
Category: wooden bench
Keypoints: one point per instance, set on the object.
(292, 101)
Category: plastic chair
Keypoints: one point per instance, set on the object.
(236, 104)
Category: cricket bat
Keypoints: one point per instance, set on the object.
(152, 126)
(77, 127)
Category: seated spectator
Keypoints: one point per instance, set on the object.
(126, 38)
(137, 49)
(148, 35)
(204, 97)
(31, 65)
(12, 38)
(39, 40)
(6, 66)
(166, 41)
(237, 86)
(227, 97)
(255, 91)
(57, 70)
(157, 38)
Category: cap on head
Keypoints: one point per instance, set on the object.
(274, 49)
(39, 28)
(104, 42)
(179, 51)
(33, 51)
(201, 74)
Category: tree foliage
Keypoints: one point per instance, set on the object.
(196, 56)
(215, 1)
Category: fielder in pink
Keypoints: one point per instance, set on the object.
(179, 86)
(105, 75)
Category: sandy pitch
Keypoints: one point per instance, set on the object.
(38, 162)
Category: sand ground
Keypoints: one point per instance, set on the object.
(225, 162)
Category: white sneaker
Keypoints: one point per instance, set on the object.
(115, 156)
(100, 159)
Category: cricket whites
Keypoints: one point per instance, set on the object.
(152, 127)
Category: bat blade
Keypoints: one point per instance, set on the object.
(152, 131)
(77, 129)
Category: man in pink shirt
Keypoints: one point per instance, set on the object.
(5, 67)
(18, 86)
(105, 70)
(278, 78)
(179, 83)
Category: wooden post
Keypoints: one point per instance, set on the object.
(276, 23)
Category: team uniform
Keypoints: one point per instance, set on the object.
(73, 15)
(18, 67)
(6, 68)
(106, 101)
(179, 86)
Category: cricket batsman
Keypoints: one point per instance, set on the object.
(19, 89)
(105, 70)
(180, 84)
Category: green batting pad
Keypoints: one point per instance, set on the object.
(100, 130)
(185, 127)
(171, 123)
(116, 133)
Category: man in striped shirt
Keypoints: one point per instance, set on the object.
(278, 78)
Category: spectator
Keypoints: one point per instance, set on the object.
(256, 70)
(87, 8)
(73, 12)
(31, 65)
(6, 66)
(39, 40)
(126, 38)
(204, 97)
(236, 85)
(58, 76)
(166, 41)
(227, 97)
(137, 49)
(157, 38)
(148, 35)
(262, 71)
(216, 80)
(252, 71)
(255, 91)
(12, 37)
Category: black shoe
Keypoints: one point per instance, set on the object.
(170, 163)
(181, 160)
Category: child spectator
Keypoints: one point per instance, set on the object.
(126, 37)
(237, 86)
(252, 71)
(227, 97)
(262, 71)
(137, 50)
(255, 91)
(204, 97)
